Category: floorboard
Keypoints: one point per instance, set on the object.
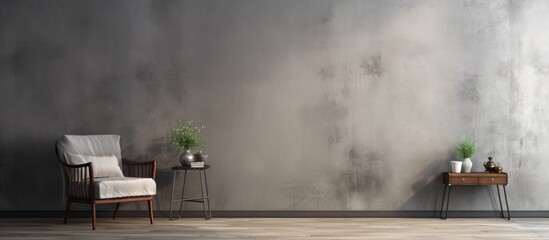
(276, 228)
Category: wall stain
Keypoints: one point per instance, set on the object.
(372, 66)
(406, 5)
(363, 176)
(346, 91)
(310, 196)
(327, 73)
(539, 65)
(469, 88)
(506, 70)
(105, 92)
(144, 73)
(297, 195)
(34, 63)
(335, 134)
(326, 18)
(521, 142)
(334, 111)
(36, 56)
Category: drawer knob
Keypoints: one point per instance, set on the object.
(493, 179)
(463, 179)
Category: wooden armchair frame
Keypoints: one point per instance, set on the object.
(80, 185)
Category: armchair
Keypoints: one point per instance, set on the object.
(93, 173)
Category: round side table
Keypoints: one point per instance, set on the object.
(205, 200)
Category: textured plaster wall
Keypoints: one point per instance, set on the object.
(309, 105)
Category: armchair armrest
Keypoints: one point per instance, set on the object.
(139, 169)
(79, 180)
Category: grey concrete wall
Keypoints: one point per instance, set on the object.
(309, 105)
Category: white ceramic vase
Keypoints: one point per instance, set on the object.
(467, 165)
(456, 166)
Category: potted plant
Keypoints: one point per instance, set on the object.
(466, 149)
(187, 137)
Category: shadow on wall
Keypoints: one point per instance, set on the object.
(32, 174)
(428, 190)
(50, 168)
(161, 150)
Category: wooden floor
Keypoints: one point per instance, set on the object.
(277, 228)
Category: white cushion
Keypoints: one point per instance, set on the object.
(124, 187)
(90, 145)
(103, 166)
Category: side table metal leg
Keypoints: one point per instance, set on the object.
(442, 204)
(506, 203)
(182, 193)
(448, 201)
(500, 205)
(203, 197)
(171, 199)
(207, 195)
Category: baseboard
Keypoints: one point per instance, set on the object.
(280, 214)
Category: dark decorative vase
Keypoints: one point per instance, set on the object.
(186, 158)
(200, 156)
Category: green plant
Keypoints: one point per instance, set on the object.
(466, 148)
(186, 136)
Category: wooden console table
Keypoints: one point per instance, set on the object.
(474, 179)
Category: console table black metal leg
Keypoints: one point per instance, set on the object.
(506, 203)
(171, 199)
(207, 195)
(182, 192)
(448, 201)
(442, 204)
(500, 205)
(203, 195)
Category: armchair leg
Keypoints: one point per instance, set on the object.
(151, 216)
(93, 215)
(67, 210)
(116, 210)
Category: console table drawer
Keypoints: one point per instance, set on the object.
(463, 180)
(479, 178)
(492, 181)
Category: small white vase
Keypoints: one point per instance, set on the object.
(456, 166)
(467, 165)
